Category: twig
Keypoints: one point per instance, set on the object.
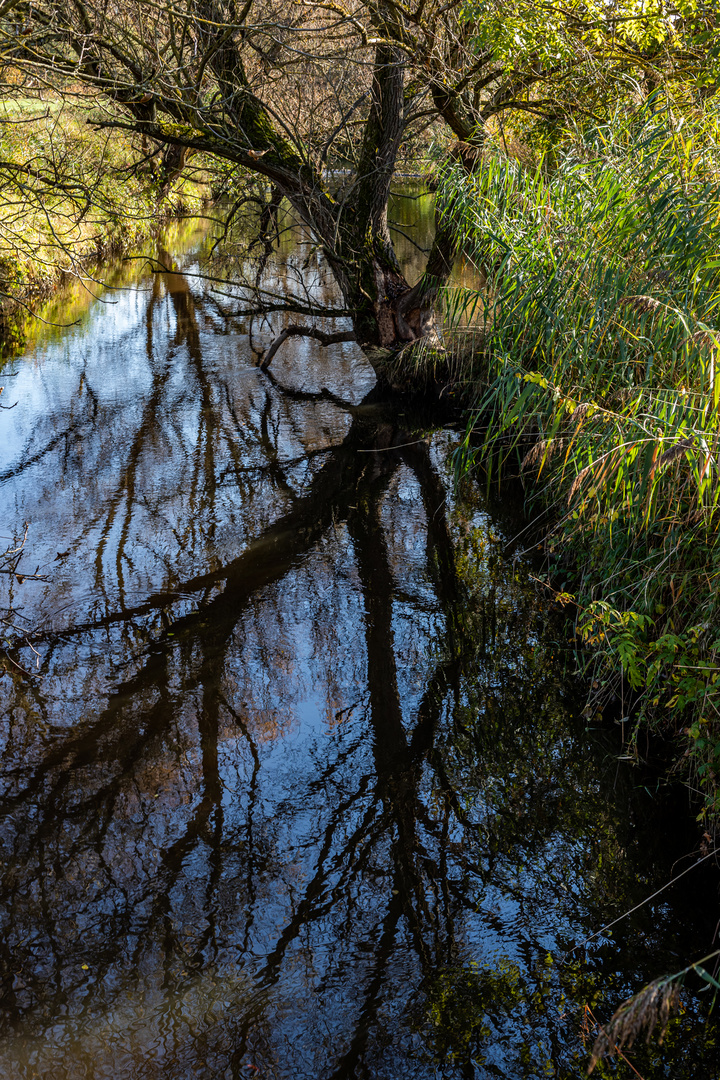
(642, 903)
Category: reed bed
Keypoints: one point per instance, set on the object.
(597, 381)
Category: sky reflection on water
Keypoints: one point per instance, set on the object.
(297, 785)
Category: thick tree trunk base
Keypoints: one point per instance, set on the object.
(402, 313)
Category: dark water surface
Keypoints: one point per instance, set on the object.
(294, 781)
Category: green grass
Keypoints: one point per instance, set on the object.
(70, 196)
(596, 379)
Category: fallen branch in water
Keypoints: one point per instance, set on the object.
(305, 331)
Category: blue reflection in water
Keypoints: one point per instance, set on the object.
(294, 784)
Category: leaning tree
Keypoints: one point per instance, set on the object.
(316, 98)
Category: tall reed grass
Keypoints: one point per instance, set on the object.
(596, 378)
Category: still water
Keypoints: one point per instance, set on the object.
(295, 782)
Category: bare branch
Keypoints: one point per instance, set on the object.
(305, 331)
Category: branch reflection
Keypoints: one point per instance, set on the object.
(297, 784)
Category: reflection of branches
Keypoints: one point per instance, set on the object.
(340, 482)
(10, 617)
(265, 560)
(71, 434)
(310, 395)
(11, 556)
(397, 770)
(440, 546)
(127, 739)
(279, 547)
(168, 816)
(346, 1067)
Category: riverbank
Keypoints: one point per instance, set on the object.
(593, 377)
(74, 197)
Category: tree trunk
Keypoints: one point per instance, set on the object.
(389, 314)
(201, 93)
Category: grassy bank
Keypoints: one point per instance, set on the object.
(72, 195)
(594, 376)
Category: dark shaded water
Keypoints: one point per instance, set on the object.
(294, 781)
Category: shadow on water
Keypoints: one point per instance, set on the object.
(294, 782)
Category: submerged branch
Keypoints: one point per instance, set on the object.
(305, 331)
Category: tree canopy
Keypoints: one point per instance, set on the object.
(317, 98)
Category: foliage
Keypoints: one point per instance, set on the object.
(598, 373)
(592, 46)
(459, 1000)
(71, 195)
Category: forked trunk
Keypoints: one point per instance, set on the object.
(391, 315)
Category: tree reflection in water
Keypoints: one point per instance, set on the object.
(296, 784)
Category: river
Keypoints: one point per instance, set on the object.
(296, 779)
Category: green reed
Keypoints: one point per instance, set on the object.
(594, 374)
